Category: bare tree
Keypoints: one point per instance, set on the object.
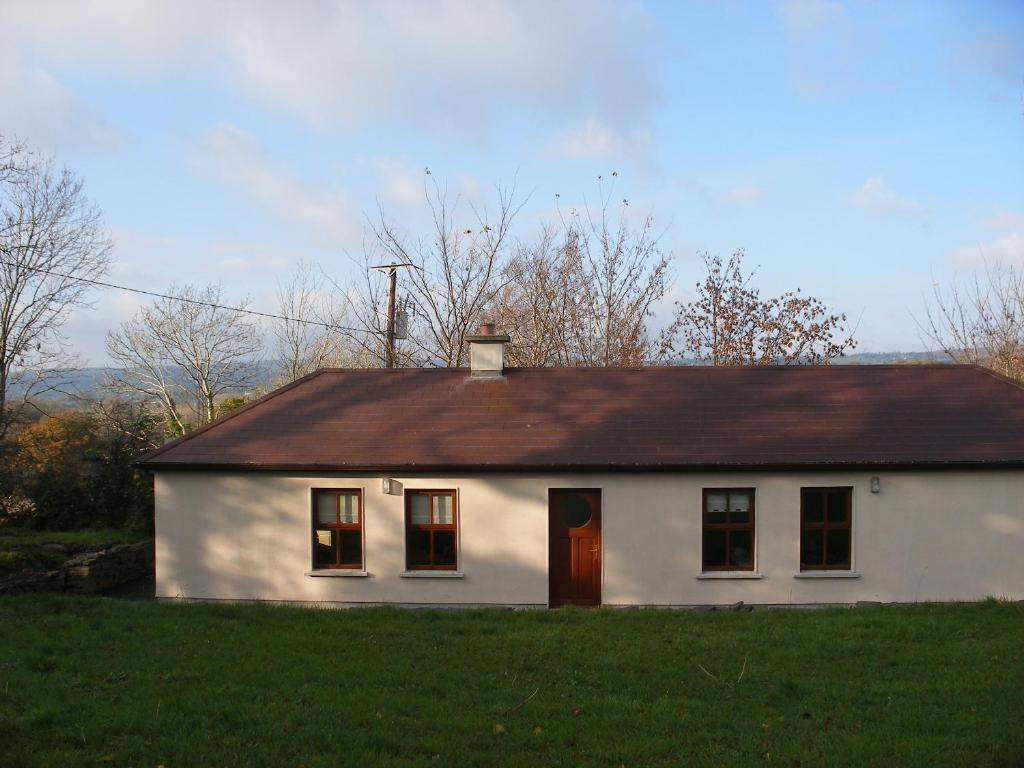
(304, 344)
(458, 270)
(982, 322)
(51, 242)
(582, 293)
(728, 323)
(182, 354)
(537, 304)
(15, 160)
(622, 273)
(129, 420)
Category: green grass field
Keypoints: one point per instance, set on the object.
(91, 681)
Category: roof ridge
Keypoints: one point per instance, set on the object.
(651, 368)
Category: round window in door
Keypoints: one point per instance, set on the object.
(576, 511)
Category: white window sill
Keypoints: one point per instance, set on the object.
(827, 575)
(338, 572)
(708, 575)
(432, 575)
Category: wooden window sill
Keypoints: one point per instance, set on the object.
(336, 572)
(827, 575)
(708, 575)
(432, 575)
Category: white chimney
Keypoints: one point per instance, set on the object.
(487, 352)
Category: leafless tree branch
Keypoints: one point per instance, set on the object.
(51, 238)
(183, 356)
(980, 321)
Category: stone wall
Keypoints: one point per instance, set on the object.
(88, 572)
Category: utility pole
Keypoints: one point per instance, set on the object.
(389, 334)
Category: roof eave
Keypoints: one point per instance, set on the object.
(583, 468)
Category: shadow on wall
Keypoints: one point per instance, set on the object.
(256, 558)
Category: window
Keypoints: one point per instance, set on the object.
(728, 529)
(825, 525)
(431, 531)
(337, 528)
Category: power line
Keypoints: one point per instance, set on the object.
(104, 284)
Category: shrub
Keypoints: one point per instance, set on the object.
(15, 508)
(73, 470)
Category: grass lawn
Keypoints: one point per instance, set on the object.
(91, 681)
(22, 548)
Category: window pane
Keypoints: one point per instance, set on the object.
(741, 548)
(716, 507)
(814, 506)
(839, 547)
(443, 510)
(350, 508)
(714, 549)
(324, 551)
(419, 509)
(837, 506)
(576, 511)
(811, 543)
(739, 501)
(716, 502)
(419, 548)
(444, 548)
(739, 507)
(351, 547)
(326, 507)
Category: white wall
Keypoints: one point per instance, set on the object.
(941, 535)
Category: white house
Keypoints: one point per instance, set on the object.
(642, 486)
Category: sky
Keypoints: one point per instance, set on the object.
(861, 151)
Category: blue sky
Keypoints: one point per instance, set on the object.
(858, 150)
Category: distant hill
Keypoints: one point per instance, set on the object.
(89, 380)
(884, 358)
(874, 358)
(84, 381)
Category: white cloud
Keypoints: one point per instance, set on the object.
(446, 66)
(596, 138)
(235, 159)
(36, 106)
(1008, 249)
(400, 183)
(144, 259)
(1002, 219)
(120, 306)
(242, 257)
(468, 186)
(744, 194)
(592, 139)
(810, 17)
(875, 197)
(113, 35)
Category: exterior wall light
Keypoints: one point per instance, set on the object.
(876, 485)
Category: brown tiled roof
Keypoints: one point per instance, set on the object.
(619, 418)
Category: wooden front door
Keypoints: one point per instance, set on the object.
(574, 534)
